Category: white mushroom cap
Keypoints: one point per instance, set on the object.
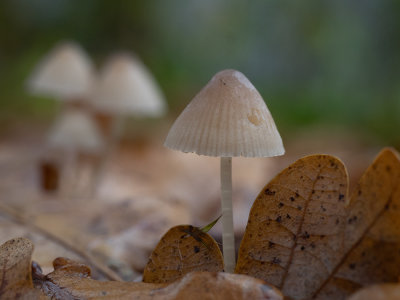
(126, 87)
(75, 131)
(228, 117)
(65, 73)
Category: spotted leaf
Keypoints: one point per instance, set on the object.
(181, 250)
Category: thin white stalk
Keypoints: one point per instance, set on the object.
(228, 237)
(68, 180)
(116, 130)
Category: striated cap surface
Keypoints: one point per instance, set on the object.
(228, 117)
(65, 73)
(126, 87)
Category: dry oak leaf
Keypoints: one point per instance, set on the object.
(385, 291)
(372, 233)
(74, 280)
(294, 229)
(15, 274)
(304, 237)
(181, 250)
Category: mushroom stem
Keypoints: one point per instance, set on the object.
(69, 173)
(116, 130)
(228, 238)
(117, 127)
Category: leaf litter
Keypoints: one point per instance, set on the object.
(306, 237)
(71, 280)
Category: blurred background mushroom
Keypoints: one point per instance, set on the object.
(77, 137)
(65, 74)
(329, 68)
(124, 88)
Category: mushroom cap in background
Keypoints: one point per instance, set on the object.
(75, 130)
(126, 87)
(66, 73)
(228, 117)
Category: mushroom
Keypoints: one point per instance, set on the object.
(74, 133)
(125, 87)
(227, 118)
(66, 73)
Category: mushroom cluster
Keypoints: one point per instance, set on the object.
(227, 118)
(94, 105)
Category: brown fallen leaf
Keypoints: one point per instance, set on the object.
(70, 281)
(372, 233)
(293, 232)
(65, 267)
(301, 237)
(386, 291)
(181, 250)
(15, 275)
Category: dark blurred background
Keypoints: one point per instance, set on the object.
(320, 62)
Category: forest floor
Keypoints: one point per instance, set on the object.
(114, 222)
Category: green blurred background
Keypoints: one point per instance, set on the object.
(330, 63)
